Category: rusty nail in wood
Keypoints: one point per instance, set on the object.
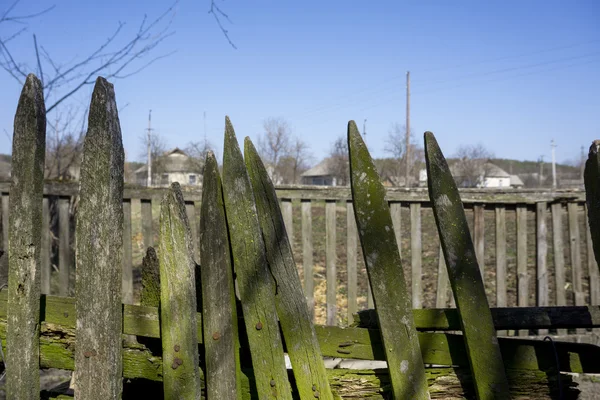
(178, 360)
(174, 365)
(314, 387)
(216, 336)
(272, 382)
(87, 354)
(259, 326)
(176, 348)
(316, 394)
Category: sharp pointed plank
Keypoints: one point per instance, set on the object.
(465, 277)
(223, 371)
(24, 242)
(179, 336)
(592, 194)
(255, 283)
(384, 267)
(150, 293)
(294, 316)
(99, 238)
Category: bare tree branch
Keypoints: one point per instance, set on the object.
(216, 11)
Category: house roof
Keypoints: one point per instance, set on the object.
(175, 160)
(324, 168)
(516, 181)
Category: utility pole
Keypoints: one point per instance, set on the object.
(149, 184)
(365, 130)
(553, 145)
(407, 151)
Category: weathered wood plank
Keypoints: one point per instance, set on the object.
(396, 211)
(5, 201)
(575, 244)
(592, 194)
(351, 256)
(330, 261)
(559, 257)
(307, 256)
(191, 215)
(441, 298)
(24, 242)
(370, 301)
(465, 277)
(255, 282)
(45, 249)
(416, 255)
(150, 292)
(64, 248)
(522, 273)
(384, 267)
(99, 241)
(220, 325)
(479, 236)
(179, 335)
(286, 210)
(294, 317)
(543, 298)
(127, 258)
(592, 267)
(501, 277)
(147, 230)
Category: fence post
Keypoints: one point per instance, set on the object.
(219, 316)
(416, 254)
(178, 328)
(330, 260)
(559, 257)
(351, 255)
(99, 252)
(485, 359)
(382, 259)
(307, 256)
(24, 243)
(542, 258)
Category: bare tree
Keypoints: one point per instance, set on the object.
(274, 144)
(295, 162)
(158, 148)
(339, 161)
(472, 165)
(197, 152)
(218, 13)
(395, 145)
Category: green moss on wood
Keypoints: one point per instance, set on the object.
(386, 276)
(150, 293)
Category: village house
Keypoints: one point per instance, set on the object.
(321, 174)
(173, 166)
(488, 176)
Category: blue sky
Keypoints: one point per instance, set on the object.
(510, 74)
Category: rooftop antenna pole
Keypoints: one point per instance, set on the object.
(149, 183)
(407, 152)
(553, 145)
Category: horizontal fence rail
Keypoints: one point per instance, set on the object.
(533, 247)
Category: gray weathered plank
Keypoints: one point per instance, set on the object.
(24, 242)
(64, 248)
(147, 230)
(576, 267)
(396, 211)
(255, 282)
(331, 260)
(5, 200)
(559, 257)
(416, 255)
(441, 298)
(307, 255)
(179, 335)
(286, 210)
(127, 258)
(384, 267)
(99, 252)
(294, 318)
(542, 288)
(45, 249)
(190, 210)
(522, 273)
(479, 236)
(351, 255)
(465, 276)
(220, 325)
(501, 277)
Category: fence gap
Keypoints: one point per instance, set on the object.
(147, 230)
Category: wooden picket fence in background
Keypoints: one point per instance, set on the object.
(244, 337)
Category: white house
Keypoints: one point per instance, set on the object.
(174, 167)
(490, 176)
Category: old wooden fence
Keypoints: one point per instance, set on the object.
(534, 247)
(246, 332)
